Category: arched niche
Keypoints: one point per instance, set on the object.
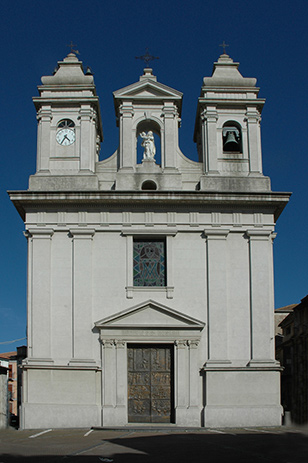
(232, 141)
(146, 126)
(148, 185)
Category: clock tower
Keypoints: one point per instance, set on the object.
(69, 129)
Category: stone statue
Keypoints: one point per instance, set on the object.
(148, 145)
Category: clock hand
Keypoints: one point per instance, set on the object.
(65, 137)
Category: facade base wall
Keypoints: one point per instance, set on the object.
(39, 416)
(61, 398)
(242, 398)
(238, 417)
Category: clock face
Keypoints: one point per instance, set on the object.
(65, 137)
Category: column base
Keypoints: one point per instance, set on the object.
(188, 416)
(114, 416)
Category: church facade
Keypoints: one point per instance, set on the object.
(150, 276)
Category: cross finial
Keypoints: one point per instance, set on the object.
(147, 57)
(72, 45)
(224, 45)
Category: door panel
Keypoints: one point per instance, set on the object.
(150, 378)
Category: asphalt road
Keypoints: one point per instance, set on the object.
(250, 445)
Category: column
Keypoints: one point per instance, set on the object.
(121, 383)
(82, 322)
(109, 375)
(39, 281)
(193, 373)
(217, 302)
(261, 297)
(182, 383)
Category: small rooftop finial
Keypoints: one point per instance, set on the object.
(72, 45)
(147, 57)
(224, 45)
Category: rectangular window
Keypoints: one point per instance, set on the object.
(149, 262)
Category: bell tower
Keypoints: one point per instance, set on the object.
(69, 129)
(227, 130)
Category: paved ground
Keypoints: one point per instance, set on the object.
(250, 445)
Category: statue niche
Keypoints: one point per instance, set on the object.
(148, 143)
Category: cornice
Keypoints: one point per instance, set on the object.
(23, 200)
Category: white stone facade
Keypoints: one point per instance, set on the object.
(216, 218)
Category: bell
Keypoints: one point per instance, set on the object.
(231, 143)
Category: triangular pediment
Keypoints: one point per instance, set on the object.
(148, 89)
(149, 315)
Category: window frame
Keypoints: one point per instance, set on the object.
(163, 234)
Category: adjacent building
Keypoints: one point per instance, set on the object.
(13, 383)
(150, 276)
(292, 352)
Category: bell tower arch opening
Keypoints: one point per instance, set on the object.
(232, 137)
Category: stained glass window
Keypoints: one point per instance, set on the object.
(149, 265)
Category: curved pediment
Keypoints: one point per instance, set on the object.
(149, 315)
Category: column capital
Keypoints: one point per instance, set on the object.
(119, 343)
(259, 235)
(193, 343)
(127, 109)
(82, 233)
(107, 343)
(42, 233)
(216, 233)
(180, 343)
(170, 111)
(44, 115)
(209, 115)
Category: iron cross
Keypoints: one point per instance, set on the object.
(72, 45)
(224, 45)
(147, 57)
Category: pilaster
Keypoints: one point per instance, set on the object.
(254, 140)
(114, 382)
(44, 118)
(87, 138)
(170, 140)
(39, 288)
(127, 150)
(82, 294)
(217, 303)
(209, 119)
(187, 410)
(261, 295)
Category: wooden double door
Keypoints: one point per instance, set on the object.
(150, 383)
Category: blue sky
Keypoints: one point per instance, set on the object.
(268, 38)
